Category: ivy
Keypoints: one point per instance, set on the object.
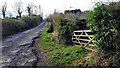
(102, 22)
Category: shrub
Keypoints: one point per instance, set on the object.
(64, 28)
(105, 27)
(104, 23)
(66, 31)
(11, 26)
(31, 21)
(50, 28)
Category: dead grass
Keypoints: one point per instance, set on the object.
(95, 58)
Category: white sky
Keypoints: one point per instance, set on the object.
(48, 6)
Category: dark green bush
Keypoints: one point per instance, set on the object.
(104, 22)
(62, 28)
(66, 30)
(50, 28)
(105, 27)
(12, 26)
(31, 21)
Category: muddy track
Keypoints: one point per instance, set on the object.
(42, 56)
(18, 50)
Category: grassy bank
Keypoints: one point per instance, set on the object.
(61, 55)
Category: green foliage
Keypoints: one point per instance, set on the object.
(66, 31)
(103, 24)
(31, 21)
(13, 23)
(56, 22)
(50, 26)
(67, 56)
(90, 61)
(60, 54)
(64, 28)
(12, 26)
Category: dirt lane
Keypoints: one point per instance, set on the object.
(17, 50)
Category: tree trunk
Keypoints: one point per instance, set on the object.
(3, 14)
(29, 13)
(20, 15)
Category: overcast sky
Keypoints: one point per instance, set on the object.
(48, 6)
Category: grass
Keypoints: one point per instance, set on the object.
(90, 61)
(36, 29)
(61, 55)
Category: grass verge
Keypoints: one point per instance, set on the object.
(61, 55)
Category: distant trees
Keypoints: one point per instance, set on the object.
(31, 9)
(4, 6)
(35, 9)
(18, 6)
(40, 12)
(73, 11)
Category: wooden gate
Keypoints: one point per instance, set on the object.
(83, 38)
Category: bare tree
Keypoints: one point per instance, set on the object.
(40, 10)
(18, 6)
(93, 3)
(35, 10)
(4, 6)
(30, 8)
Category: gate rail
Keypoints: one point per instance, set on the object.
(83, 38)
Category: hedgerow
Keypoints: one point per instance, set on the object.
(11, 26)
(105, 26)
(104, 23)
